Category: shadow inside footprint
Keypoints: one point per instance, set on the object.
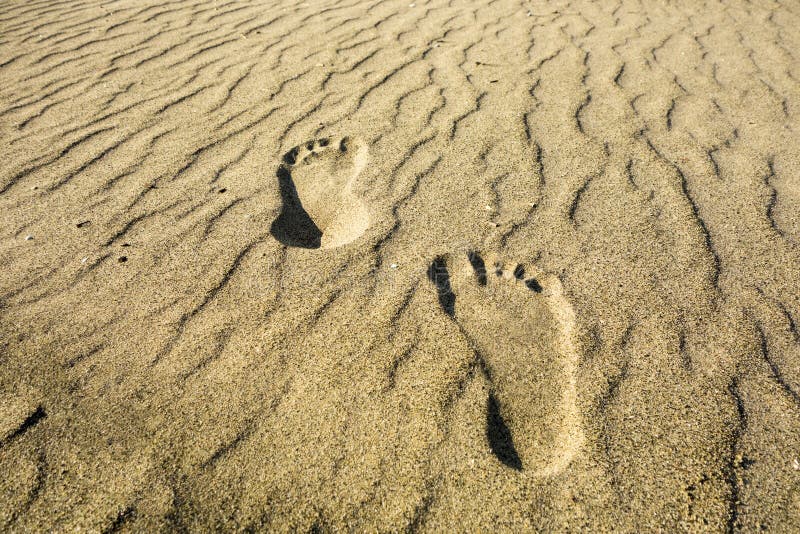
(499, 436)
(437, 273)
(479, 266)
(294, 227)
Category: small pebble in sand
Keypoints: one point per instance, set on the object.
(28, 237)
(122, 259)
(393, 266)
(84, 260)
(34, 188)
(796, 464)
(411, 5)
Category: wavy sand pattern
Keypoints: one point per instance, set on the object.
(223, 230)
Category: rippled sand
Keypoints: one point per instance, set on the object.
(374, 265)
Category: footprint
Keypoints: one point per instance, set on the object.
(319, 209)
(521, 326)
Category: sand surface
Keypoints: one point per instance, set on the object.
(443, 265)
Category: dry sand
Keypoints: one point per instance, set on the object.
(399, 265)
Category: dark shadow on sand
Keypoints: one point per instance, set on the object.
(438, 274)
(293, 227)
(499, 436)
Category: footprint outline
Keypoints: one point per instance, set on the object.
(569, 438)
(319, 209)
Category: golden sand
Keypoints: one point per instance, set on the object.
(365, 265)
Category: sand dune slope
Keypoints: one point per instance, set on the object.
(399, 265)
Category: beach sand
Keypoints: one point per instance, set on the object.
(444, 265)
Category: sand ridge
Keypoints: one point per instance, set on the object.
(213, 317)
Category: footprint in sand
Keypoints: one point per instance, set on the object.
(319, 208)
(521, 326)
